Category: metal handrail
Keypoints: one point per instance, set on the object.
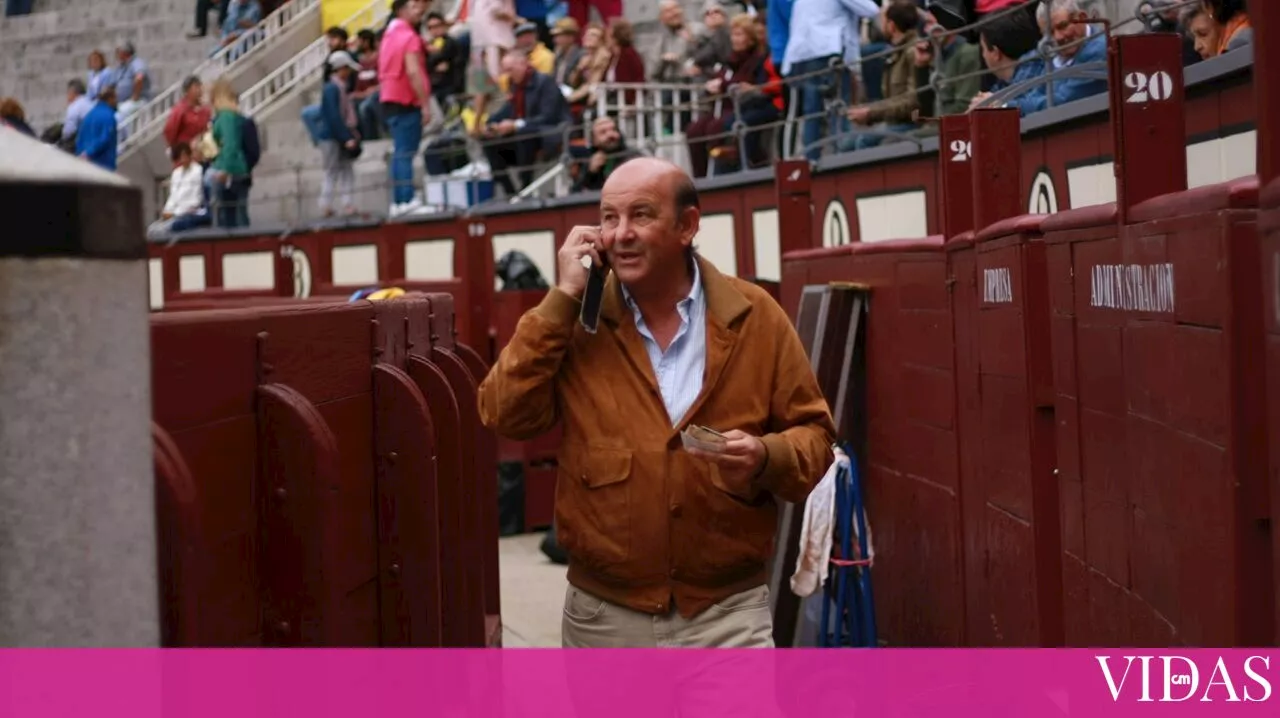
(1087, 71)
(308, 62)
(149, 119)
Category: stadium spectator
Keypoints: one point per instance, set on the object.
(540, 58)
(1218, 26)
(1075, 43)
(672, 53)
(78, 105)
(490, 24)
(821, 32)
(190, 117)
(97, 138)
(202, 16)
(100, 75)
(946, 86)
(133, 80)
(242, 17)
(894, 113)
(625, 64)
(446, 59)
(228, 175)
(185, 208)
(607, 149)
(568, 52)
(594, 63)
(535, 12)
(748, 83)
(340, 136)
(406, 97)
(337, 39)
(711, 44)
(12, 115)
(1167, 16)
(365, 94)
(528, 127)
(1008, 48)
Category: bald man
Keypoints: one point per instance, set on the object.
(667, 542)
(529, 127)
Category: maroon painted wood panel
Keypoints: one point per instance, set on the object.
(1269, 227)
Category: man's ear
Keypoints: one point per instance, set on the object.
(690, 222)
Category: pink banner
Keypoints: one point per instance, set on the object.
(803, 684)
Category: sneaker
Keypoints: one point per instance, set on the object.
(413, 206)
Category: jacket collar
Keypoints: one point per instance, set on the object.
(725, 304)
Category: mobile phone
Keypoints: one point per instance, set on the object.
(593, 296)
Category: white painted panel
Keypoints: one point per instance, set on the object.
(156, 274)
(540, 246)
(715, 241)
(1204, 164)
(357, 264)
(1239, 155)
(764, 228)
(191, 273)
(893, 216)
(247, 270)
(429, 259)
(1094, 184)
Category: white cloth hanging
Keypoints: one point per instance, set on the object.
(816, 531)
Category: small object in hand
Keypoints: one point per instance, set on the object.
(701, 437)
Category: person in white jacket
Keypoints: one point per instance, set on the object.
(186, 207)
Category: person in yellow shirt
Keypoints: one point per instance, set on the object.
(540, 58)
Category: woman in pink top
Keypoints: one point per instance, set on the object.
(405, 93)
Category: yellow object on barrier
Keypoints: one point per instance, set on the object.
(388, 293)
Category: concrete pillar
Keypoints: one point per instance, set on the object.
(77, 504)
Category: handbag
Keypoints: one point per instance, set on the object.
(207, 146)
(352, 153)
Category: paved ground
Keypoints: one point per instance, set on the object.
(532, 593)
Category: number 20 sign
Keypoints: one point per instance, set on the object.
(1143, 87)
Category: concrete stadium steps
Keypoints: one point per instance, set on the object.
(41, 52)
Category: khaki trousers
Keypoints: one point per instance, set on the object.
(740, 621)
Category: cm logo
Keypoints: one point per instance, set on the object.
(1044, 196)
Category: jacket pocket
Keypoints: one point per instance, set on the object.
(597, 506)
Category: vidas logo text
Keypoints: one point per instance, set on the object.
(1180, 678)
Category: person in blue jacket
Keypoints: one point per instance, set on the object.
(97, 138)
(338, 134)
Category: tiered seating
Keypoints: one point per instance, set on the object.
(42, 51)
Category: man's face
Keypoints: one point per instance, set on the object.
(122, 56)
(605, 135)
(640, 228)
(671, 15)
(713, 18)
(1206, 34)
(195, 93)
(516, 65)
(1066, 32)
(335, 43)
(526, 40)
(436, 27)
(414, 12)
(563, 41)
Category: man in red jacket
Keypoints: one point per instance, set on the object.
(189, 118)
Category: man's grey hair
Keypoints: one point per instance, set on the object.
(1088, 7)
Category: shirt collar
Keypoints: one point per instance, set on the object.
(683, 306)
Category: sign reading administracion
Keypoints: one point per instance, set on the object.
(1132, 287)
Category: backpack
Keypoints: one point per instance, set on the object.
(313, 120)
(251, 143)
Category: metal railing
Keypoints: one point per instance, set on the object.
(308, 63)
(148, 120)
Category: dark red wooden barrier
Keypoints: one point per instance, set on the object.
(311, 466)
(908, 416)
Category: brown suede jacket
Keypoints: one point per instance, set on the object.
(643, 521)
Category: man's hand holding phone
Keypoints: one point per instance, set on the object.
(583, 241)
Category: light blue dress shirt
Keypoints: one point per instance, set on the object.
(681, 367)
